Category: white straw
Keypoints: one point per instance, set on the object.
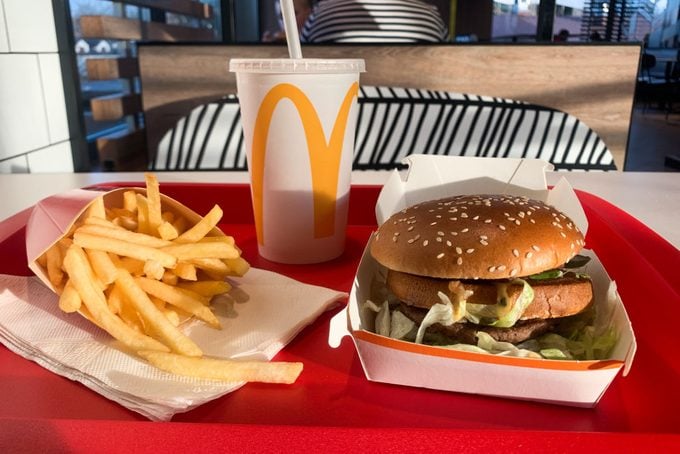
(290, 26)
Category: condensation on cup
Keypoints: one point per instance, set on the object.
(299, 120)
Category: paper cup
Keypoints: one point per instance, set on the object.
(299, 121)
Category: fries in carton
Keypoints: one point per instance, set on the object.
(575, 383)
(137, 264)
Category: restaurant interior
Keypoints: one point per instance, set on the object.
(85, 96)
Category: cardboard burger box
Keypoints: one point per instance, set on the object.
(568, 382)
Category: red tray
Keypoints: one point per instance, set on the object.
(333, 404)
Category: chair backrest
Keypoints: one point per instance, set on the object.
(395, 122)
(593, 83)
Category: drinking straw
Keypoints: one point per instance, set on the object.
(290, 27)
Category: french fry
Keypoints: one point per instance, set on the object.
(154, 269)
(213, 266)
(97, 209)
(133, 266)
(119, 233)
(102, 265)
(239, 266)
(186, 271)
(218, 239)
(54, 272)
(184, 299)
(167, 231)
(206, 288)
(154, 321)
(202, 227)
(93, 298)
(143, 215)
(130, 201)
(69, 300)
(191, 251)
(153, 196)
(224, 369)
(170, 278)
(124, 248)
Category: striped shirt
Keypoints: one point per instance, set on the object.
(362, 21)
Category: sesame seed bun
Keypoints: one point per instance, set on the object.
(477, 237)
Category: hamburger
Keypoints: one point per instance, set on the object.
(490, 272)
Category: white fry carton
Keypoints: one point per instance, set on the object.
(575, 383)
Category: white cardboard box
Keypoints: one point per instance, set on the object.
(577, 383)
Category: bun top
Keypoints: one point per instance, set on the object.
(477, 237)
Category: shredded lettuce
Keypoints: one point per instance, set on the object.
(401, 326)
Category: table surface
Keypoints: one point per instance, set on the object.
(651, 197)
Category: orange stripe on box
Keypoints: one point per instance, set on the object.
(430, 350)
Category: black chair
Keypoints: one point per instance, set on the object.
(395, 122)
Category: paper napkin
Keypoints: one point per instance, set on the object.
(264, 311)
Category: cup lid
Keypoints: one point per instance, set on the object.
(296, 65)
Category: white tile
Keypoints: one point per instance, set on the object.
(14, 165)
(53, 92)
(30, 26)
(23, 126)
(56, 158)
(4, 44)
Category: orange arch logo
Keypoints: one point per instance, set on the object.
(324, 156)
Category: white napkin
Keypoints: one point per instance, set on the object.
(264, 312)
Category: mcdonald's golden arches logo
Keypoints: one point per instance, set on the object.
(324, 156)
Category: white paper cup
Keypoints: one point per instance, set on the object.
(299, 121)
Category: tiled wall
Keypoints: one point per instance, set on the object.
(34, 134)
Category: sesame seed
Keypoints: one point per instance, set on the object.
(411, 240)
(513, 272)
(532, 221)
(459, 260)
(453, 219)
(439, 239)
(521, 214)
(517, 221)
(410, 228)
(500, 267)
(487, 221)
(483, 237)
(459, 250)
(465, 230)
(563, 235)
(464, 215)
(440, 255)
(475, 218)
(425, 243)
(433, 223)
(515, 252)
(492, 269)
(529, 254)
(440, 233)
(535, 248)
(454, 233)
(448, 243)
(511, 219)
(470, 251)
(483, 242)
(501, 226)
(394, 239)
